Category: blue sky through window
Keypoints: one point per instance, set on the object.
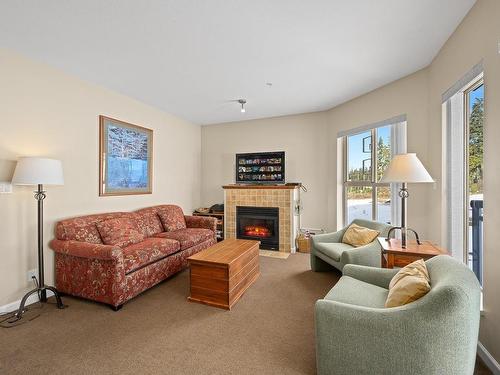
(476, 94)
(356, 154)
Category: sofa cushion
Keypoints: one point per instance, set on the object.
(171, 217)
(357, 235)
(356, 292)
(333, 250)
(409, 284)
(148, 222)
(148, 251)
(84, 228)
(121, 232)
(189, 237)
(417, 266)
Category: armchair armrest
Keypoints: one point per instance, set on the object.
(372, 275)
(86, 250)
(367, 255)
(206, 222)
(341, 329)
(329, 237)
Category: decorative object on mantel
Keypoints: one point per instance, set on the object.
(405, 168)
(125, 158)
(38, 171)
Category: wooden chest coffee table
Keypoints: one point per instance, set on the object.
(221, 274)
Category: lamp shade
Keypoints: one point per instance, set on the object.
(406, 168)
(34, 171)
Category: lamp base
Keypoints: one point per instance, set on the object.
(42, 292)
(403, 230)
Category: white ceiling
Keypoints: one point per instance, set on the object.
(191, 57)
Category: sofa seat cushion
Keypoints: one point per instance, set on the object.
(189, 237)
(332, 250)
(148, 251)
(355, 292)
(120, 232)
(171, 217)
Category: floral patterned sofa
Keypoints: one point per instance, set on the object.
(112, 257)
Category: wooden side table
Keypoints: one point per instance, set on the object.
(393, 255)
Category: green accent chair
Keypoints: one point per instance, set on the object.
(328, 251)
(437, 334)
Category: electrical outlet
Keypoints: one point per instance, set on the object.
(31, 273)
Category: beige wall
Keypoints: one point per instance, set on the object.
(405, 96)
(303, 139)
(476, 38)
(310, 142)
(419, 97)
(47, 113)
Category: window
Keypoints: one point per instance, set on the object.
(366, 157)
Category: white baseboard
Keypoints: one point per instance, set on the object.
(488, 359)
(15, 305)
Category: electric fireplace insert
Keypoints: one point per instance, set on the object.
(258, 223)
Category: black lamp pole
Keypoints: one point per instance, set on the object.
(41, 288)
(403, 194)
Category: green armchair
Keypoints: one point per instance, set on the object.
(437, 334)
(328, 250)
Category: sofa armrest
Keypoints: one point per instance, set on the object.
(86, 250)
(372, 275)
(206, 222)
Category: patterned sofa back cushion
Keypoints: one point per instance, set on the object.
(84, 228)
(171, 217)
(148, 221)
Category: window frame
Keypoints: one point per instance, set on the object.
(373, 183)
(472, 86)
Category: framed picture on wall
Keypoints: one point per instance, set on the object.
(125, 158)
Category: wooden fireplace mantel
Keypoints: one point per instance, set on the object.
(255, 186)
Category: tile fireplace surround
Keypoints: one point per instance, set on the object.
(284, 197)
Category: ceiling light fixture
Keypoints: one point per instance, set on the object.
(242, 102)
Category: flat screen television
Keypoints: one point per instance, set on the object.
(260, 168)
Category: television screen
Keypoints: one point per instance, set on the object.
(260, 168)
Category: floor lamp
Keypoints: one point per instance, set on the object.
(404, 169)
(38, 171)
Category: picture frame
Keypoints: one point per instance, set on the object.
(125, 158)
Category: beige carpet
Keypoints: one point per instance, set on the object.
(269, 331)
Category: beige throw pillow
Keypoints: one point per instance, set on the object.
(357, 235)
(408, 285)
